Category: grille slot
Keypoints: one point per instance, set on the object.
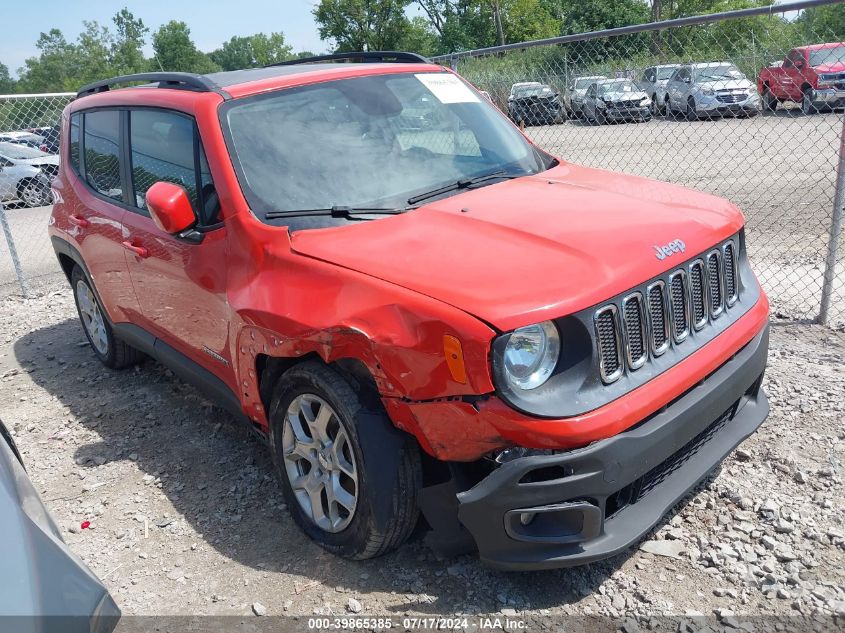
(729, 269)
(633, 314)
(609, 343)
(714, 281)
(697, 298)
(679, 304)
(658, 314)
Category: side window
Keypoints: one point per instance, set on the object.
(102, 153)
(74, 141)
(162, 146)
(649, 75)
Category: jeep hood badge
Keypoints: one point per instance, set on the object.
(675, 246)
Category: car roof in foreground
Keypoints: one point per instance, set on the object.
(241, 83)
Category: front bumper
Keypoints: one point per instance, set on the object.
(594, 502)
(627, 114)
(712, 105)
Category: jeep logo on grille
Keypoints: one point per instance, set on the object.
(675, 246)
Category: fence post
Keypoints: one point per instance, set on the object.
(835, 230)
(10, 242)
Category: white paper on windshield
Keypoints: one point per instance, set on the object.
(447, 88)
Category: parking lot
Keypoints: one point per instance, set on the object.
(186, 516)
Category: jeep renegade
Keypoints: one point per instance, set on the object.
(422, 312)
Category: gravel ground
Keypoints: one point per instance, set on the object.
(186, 517)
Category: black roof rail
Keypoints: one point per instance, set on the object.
(361, 56)
(191, 81)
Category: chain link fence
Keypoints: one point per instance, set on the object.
(29, 158)
(680, 101)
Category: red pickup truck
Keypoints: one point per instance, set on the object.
(813, 76)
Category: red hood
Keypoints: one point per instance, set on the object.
(838, 67)
(538, 247)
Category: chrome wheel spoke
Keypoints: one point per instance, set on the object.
(319, 462)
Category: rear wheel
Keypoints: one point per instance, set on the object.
(111, 351)
(770, 101)
(807, 104)
(349, 477)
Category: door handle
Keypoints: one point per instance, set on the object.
(78, 220)
(140, 251)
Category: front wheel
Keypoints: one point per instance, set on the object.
(770, 101)
(349, 477)
(692, 111)
(34, 193)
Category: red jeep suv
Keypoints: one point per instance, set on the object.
(421, 311)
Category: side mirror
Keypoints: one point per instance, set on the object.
(170, 207)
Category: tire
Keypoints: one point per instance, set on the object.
(770, 101)
(112, 352)
(667, 108)
(385, 463)
(692, 113)
(600, 119)
(655, 107)
(34, 193)
(807, 105)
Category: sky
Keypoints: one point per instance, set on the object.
(211, 21)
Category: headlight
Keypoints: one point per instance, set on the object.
(707, 92)
(646, 101)
(530, 355)
(825, 80)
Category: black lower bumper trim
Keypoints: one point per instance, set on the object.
(580, 506)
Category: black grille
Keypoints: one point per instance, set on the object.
(608, 344)
(659, 473)
(658, 317)
(696, 284)
(678, 299)
(634, 330)
(678, 305)
(730, 272)
(714, 281)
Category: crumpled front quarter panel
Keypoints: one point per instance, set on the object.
(291, 306)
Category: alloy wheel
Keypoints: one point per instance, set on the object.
(320, 463)
(92, 317)
(33, 194)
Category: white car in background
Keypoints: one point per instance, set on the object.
(25, 174)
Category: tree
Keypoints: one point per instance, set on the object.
(362, 25)
(55, 68)
(419, 37)
(126, 53)
(252, 51)
(528, 20)
(175, 51)
(823, 23)
(7, 84)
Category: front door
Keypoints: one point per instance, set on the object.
(180, 282)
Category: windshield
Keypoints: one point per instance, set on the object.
(665, 73)
(531, 91)
(584, 82)
(718, 73)
(16, 151)
(617, 86)
(368, 142)
(834, 55)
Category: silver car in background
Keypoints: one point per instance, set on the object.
(575, 91)
(615, 100)
(653, 81)
(25, 174)
(711, 89)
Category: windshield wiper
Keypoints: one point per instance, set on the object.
(464, 183)
(336, 211)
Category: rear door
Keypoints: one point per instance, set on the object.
(95, 207)
(180, 281)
